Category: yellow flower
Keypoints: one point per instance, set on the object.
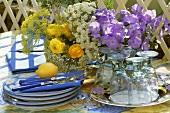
(76, 51)
(54, 30)
(67, 31)
(56, 46)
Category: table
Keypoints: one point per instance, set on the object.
(77, 106)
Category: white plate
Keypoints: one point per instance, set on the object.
(40, 107)
(37, 103)
(43, 98)
(14, 82)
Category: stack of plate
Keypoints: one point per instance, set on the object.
(36, 100)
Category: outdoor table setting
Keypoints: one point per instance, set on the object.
(89, 60)
(79, 103)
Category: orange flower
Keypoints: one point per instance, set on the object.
(76, 51)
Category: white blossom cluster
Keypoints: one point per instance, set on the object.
(80, 15)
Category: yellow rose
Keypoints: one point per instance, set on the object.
(54, 30)
(56, 46)
(76, 51)
(67, 31)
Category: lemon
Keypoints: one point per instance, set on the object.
(47, 70)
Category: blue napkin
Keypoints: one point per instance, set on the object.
(20, 62)
(60, 76)
(54, 87)
(17, 46)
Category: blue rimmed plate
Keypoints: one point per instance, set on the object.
(37, 103)
(14, 82)
(40, 107)
(43, 98)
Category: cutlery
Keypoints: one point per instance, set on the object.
(66, 79)
(47, 86)
(32, 86)
(30, 80)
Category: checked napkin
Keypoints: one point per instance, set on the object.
(20, 62)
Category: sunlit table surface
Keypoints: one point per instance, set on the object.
(6, 41)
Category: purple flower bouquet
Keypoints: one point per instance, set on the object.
(136, 29)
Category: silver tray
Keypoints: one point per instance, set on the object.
(105, 100)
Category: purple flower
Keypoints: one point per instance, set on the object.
(143, 27)
(148, 37)
(112, 43)
(119, 35)
(94, 27)
(41, 17)
(48, 17)
(166, 21)
(168, 87)
(98, 90)
(166, 25)
(117, 26)
(136, 33)
(122, 12)
(161, 34)
(145, 45)
(133, 27)
(137, 9)
(106, 29)
(101, 15)
(96, 35)
(158, 21)
(135, 42)
(149, 15)
(168, 28)
(130, 19)
(103, 39)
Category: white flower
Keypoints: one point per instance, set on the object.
(93, 18)
(78, 40)
(63, 14)
(74, 15)
(85, 17)
(70, 9)
(83, 32)
(76, 35)
(93, 4)
(79, 28)
(70, 26)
